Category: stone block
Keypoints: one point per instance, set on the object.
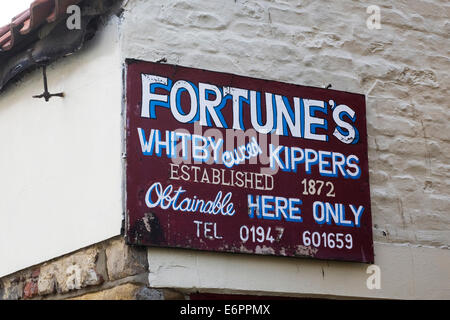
(122, 292)
(123, 260)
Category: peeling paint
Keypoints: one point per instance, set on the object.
(264, 250)
(305, 251)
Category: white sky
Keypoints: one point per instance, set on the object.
(10, 8)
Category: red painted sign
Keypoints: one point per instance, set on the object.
(222, 162)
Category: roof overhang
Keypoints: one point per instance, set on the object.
(40, 35)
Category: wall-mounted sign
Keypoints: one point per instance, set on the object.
(222, 162)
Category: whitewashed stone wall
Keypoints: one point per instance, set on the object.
(402, 68)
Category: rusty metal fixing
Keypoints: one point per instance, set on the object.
(47, 95)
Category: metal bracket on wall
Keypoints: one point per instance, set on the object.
(47, 95)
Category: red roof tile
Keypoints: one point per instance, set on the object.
(39, 13)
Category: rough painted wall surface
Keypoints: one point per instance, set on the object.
(402, 69)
